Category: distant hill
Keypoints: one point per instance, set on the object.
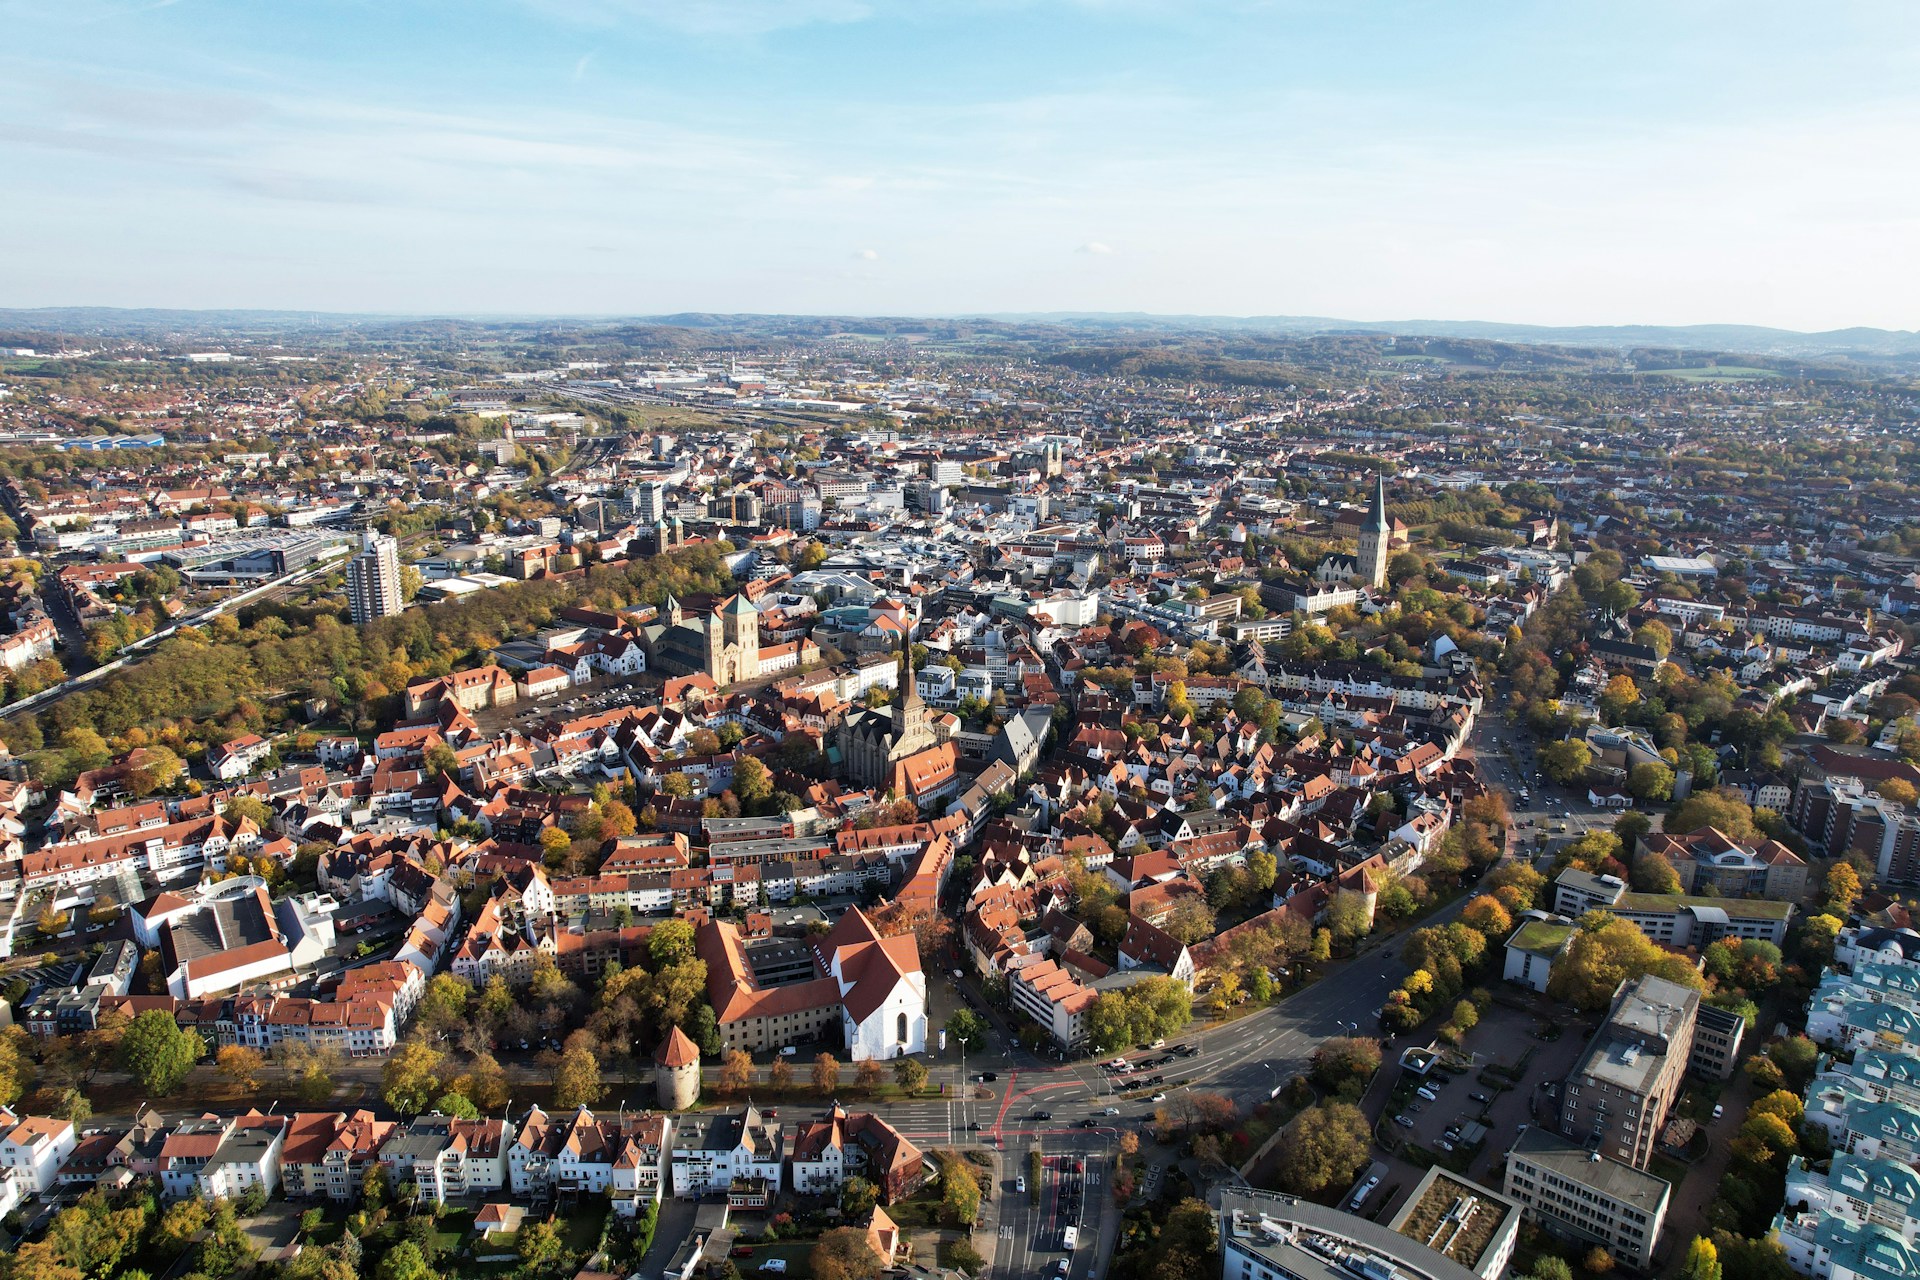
(1879, 348)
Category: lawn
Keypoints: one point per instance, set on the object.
(584, 1224)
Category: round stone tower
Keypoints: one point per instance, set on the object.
(677, 1073)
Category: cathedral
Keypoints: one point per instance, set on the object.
(725, 644)
(872, 743)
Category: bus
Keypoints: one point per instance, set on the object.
(1070, 1239)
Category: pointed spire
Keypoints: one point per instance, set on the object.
(1377, 514)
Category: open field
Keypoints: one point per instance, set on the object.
(1715, 373)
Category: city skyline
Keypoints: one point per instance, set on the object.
(1518, 163)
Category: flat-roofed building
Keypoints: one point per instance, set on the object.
(1618, 1094)
(1475, 1226)
(1717, 1035)
(1264, 1236)
(1583, 1195)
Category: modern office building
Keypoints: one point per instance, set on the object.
(1264, 1236)
(1583, 1195)
(1618, 1094)
(373, 580)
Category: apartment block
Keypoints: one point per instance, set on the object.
(1619, 1093)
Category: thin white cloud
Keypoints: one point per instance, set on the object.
(868, 255)
(1095, 247)
(580, 67)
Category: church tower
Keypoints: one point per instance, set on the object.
(1376, 531)
(907, 707)
(676, 1076)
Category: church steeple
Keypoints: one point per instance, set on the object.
(1376, 534)
(906, 703)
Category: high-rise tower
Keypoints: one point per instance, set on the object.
(373, 580)
(1376, 532)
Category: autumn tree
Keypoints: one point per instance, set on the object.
(826, 1075)
(411, 1078)
(1843, 889)
(1604, 952)
(576, 1077)
(844, 1254)
(1323, 1147)
(909, 1073)
(780, 1074)
(241, 1065)
(737, 1072)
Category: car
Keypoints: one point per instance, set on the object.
(1719, 1109)
(1403, 1122)
(787, 1051)
(1481, 1098)
(778, 1266)
(972, 1125)
(1111, 1111)
(988, 1077)
(957, 975)
(1089, 1123)
(1062, 1267)
(1159, 1097)
(1157, 1044)
(1365, 1189)
(1118, 1064)
(1020, 1183)
(1041, 1115)
(1414, 1108)
(1445, 1144)
(1428, 1092)
(1520, 1129)
(771, 1113)
(741, 1251)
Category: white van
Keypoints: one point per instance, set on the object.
(1366, 1189)
(1070, 1239)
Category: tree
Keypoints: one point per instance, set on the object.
(857, 1197)
(737, 1072)
(1190, 921)
(1843, 888)
(1465, 1017)
(443, 1007)
(1348, 917)
(1604, 952)
(959, 1191)
(157, 1053)
(671, 942)
(1486, 915)
(441, 761)
(1262, 870)
(1551, 1268)
(1567, 760)
(458, 1105)
(1702, 1261)
(965, 1024)
(1345, 1058)
(1898, 790)
(410, 1078)
(867, 1075)
(780, 1074)
(576, 1078)
(541, 1245)
(843, 1254)
(826, 1075)
(159, 767)
(909, 1073)
(240, 1064)
(52, 921)
(405, 1262)
(1323, 1147)
(1652, 873)
(751, 781)
(1722, 808)
(1598, 1261)
(1651, 781)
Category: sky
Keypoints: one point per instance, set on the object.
(1560, 162)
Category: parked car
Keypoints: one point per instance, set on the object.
(1719, 1109)
(1111, 1111)
(1159, 1097)
(741, 1251)
(1403, 1122)
(778, 1266)
(1481, 1098)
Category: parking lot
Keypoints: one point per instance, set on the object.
(1543, 1036)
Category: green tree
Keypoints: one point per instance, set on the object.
(909, 1073)
(541, 1246)
(1702, 1261)
(1567, 760)
(751, 781)
(1348, 917)
(1604, 952)
(670, 943)
(965, 1024)
(1652, 873)
(157, 1053)
(1651, 781)
(858, 1197)
(405, 1262)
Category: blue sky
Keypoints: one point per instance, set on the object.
(1556, 162)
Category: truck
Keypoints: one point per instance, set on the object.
(1070, 1239)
